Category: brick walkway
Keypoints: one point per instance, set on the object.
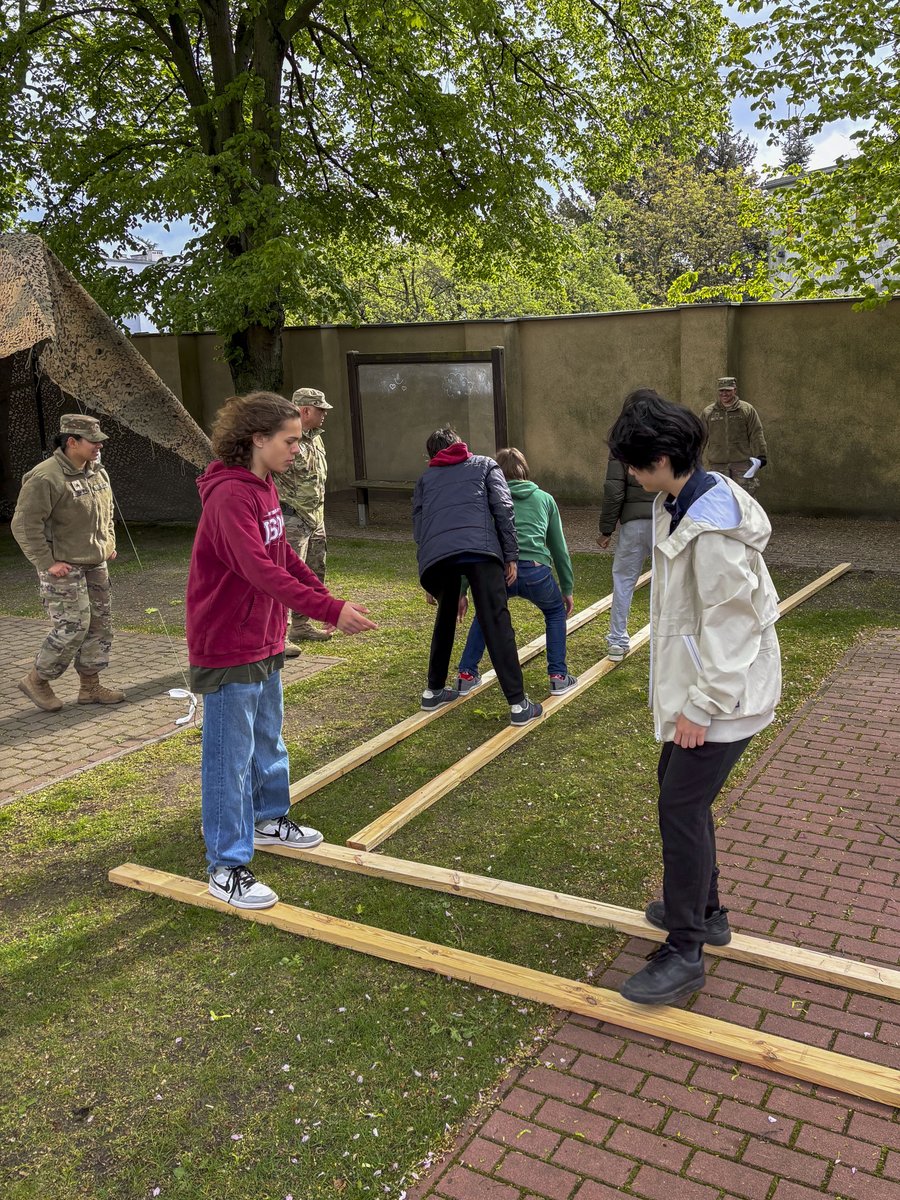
(41, 748)
(608, 1113)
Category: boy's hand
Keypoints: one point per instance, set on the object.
(603, 540)
(569, 602)
(689, 735)
(352, 620)
(59, 570)
(511, 571)
(461, 609)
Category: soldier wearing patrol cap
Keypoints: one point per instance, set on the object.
(64, 525)
(301, 489)
(736, 445)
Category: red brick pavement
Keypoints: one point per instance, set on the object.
(808, 855)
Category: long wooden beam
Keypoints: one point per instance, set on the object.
(395, 818)
(807, 1063)
(405, 810)
(354, 758)
(868, 978)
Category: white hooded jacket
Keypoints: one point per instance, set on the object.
(714, 651)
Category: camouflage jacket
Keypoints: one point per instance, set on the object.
(735, 434)
(302, 485)
(65, 514)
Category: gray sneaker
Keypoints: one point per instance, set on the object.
(239, 887)
(521, 714)
(465, 682)
(432, 700)
(616, 653)
(562, 683)
(283, 829)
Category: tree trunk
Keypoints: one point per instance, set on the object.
(254, 356)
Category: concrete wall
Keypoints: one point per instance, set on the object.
(823, 377)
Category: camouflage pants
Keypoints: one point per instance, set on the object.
(311, 545)
(80, 613)
(735, 471)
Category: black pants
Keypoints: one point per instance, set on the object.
(488, 584)
(689, 781)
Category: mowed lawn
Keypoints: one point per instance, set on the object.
(149, 1048)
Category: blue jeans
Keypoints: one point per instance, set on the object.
(534, 582)
(244, 771)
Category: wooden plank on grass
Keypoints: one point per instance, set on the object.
(354, 758)
(868, 978)
(806, 1063)
(403, 812)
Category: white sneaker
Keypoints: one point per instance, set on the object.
(617, 653)
(283, 829)
(240, 887)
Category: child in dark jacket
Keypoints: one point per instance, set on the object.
(464, 527)
(542, 544)
(244, 578)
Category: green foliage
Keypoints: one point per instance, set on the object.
(302, 138)
(685, 232)
(831, 61)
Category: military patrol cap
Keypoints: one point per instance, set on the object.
(310, 398)
(79, 425)
(727, 383)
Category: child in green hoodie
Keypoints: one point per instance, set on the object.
(542, 544)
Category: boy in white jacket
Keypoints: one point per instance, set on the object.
(715, 673)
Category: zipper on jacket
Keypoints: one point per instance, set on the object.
(692, 650)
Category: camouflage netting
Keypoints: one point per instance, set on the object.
(59, 352)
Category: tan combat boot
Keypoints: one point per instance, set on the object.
(92, 691)
(39, 692)
(309, 633)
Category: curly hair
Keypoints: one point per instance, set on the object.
(242, 416)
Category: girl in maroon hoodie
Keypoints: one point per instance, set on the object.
(244, 579)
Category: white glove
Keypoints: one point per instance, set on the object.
(755, 464)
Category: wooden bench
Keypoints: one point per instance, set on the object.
(364, 486)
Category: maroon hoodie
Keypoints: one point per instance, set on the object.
(244, 576)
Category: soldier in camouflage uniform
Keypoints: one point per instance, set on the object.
(64, 524)
(301, 490)
(736, 442)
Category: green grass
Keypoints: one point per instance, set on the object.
(143, 1044)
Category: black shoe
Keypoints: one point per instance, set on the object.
(718, 931)
(667, 977)
(438, 699)
(521, 714)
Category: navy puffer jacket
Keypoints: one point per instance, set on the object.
(463, 507)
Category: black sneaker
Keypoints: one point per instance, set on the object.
(667, 978)
(521, 714)
(718, 931)
(432, 700)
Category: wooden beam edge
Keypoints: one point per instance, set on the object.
(851, 974)
(401, 813)
(366, 751)
(794, 1059)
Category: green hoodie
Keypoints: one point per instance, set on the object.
(540, 532)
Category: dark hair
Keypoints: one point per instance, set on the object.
(242, 416)
(441, 439)
(60, 440)
(649, 427)
(512, 463)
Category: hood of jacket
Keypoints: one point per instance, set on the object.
(451, 455)
(218, 473)
(725, 508)
(520, 489)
